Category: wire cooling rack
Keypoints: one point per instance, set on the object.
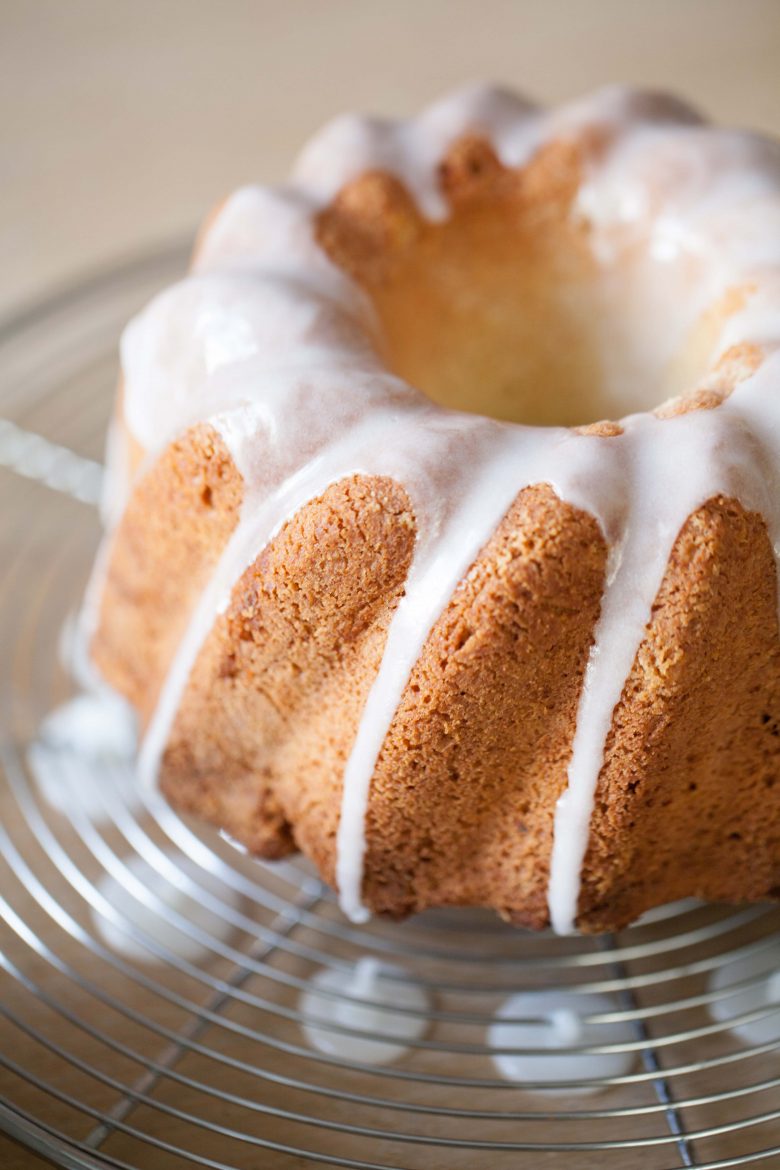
(174, 1037)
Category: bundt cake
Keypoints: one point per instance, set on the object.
(381, 583)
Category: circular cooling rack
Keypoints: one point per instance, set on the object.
(154, 981)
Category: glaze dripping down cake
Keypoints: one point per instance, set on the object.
(382, 583)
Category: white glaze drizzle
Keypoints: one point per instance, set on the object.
(267, 331)
(668, 476)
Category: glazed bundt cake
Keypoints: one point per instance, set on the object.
(379, 580)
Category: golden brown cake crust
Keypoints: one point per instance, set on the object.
(455, 782)
(179, 516)
(688, 801)
(463, 796)
(266, 722)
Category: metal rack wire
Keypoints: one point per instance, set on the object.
(162, 1056)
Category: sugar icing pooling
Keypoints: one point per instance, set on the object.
(84, 753)
(154, 917)
(746, 995)
(267, 330)
(363, 1011)
(554, 1026)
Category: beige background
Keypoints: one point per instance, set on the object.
(122, 120)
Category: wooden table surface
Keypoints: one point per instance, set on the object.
(122, 121)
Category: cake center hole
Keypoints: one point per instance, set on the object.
(503, 308)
